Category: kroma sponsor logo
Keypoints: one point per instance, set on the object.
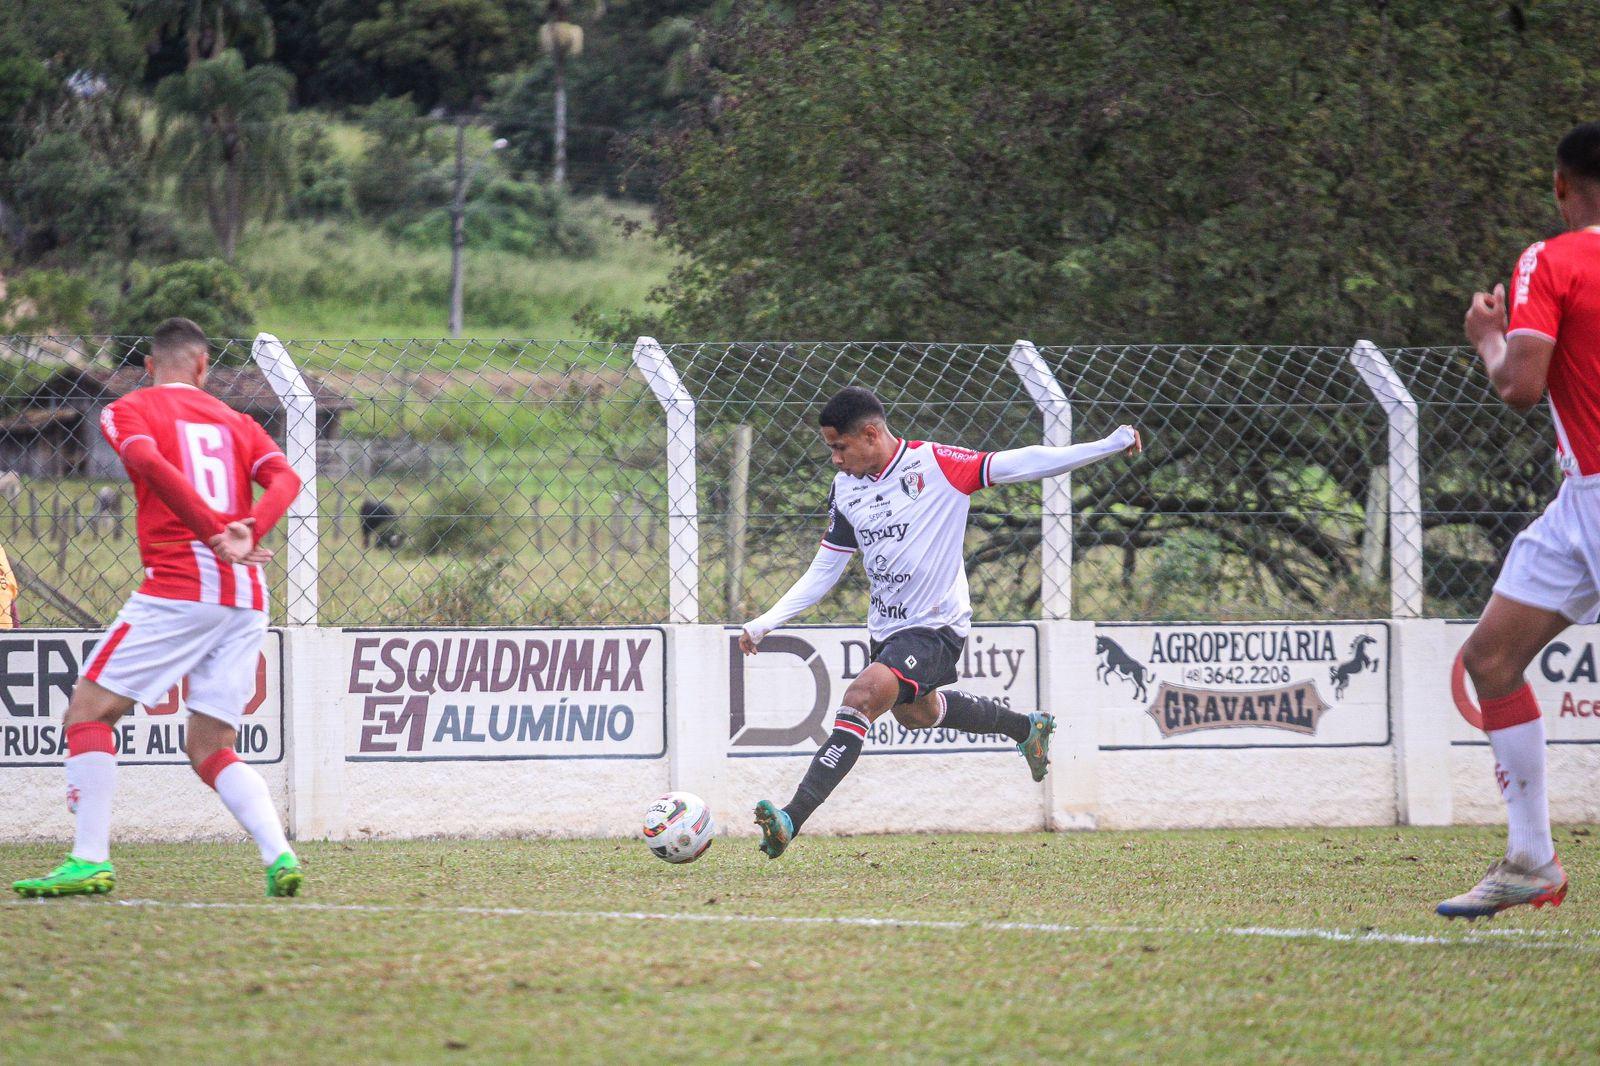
(508, 695)
(1196, 679)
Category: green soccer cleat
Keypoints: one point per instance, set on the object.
(1036, 749)
(75, 877)
(284, 876)
(776, 829)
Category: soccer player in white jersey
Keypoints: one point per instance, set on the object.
(902, 504)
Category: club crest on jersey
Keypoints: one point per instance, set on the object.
(912, 482)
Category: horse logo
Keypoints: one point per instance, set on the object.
(1113, 660)
(1359, 660)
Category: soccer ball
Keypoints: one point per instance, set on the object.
(678, 827)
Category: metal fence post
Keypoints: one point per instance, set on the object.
(1405, 478)
(300, 447)
(1055, 521)
(683, 503)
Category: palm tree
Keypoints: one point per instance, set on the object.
(208, 26)
(562, 38)
(222, 132)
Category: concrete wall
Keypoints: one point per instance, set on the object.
(401, 732)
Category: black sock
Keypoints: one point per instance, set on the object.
(976, 714)
(829, 765)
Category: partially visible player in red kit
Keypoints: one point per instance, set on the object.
(1548, 340)
(201, 612)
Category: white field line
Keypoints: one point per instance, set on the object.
(1546, 939)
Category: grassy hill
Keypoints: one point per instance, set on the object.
(353, 280)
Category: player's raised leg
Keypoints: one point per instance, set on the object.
(865, 701)
(1500, 648)
(91, 766)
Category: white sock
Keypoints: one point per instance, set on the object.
(1519, 757)
(91, 783)
(246, 796)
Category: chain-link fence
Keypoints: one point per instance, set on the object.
(495, 483)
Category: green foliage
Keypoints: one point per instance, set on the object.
(465, 593)
(511, 216)
(209, 291)
(224, 135)
(353, 279)
(72, 198)
(458, 520)
(403, 169)
(448, 48)
(46, 302)
(322, 187)
(640, 62)
(1117, 169)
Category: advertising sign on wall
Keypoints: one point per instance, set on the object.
(487, 695)
(1565, 676)
(1242, 686)
(782, 700)
(38, 671)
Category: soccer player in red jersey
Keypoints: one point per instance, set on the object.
(1547, 339)
(201, 612)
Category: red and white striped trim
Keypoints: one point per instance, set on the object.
(257, 464)
(985, 478)
(129, 440)
(839, 548)
(209, 569)
(850, 724)
(102, 655)
(890, 465)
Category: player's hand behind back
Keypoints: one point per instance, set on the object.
(237, 544)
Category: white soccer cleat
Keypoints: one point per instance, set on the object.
(1509, 885)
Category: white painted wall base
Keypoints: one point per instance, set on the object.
(1432, 769)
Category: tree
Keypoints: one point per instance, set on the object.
(208, 27)
(641, 62)
(1139, 171)
(223, 133)
(459, 45)
(1112, 170)
(208, 291)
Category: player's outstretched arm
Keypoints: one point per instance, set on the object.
(815, 583)
(1042, 461)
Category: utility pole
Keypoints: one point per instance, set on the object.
(458, 216)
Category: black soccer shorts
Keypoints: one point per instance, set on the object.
(923, 659)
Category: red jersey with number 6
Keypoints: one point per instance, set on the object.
(220, 452)
(1555, 295)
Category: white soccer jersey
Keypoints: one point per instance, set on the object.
(909, 523)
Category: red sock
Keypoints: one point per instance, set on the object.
(1507, 711)
(90, 736)
(214, 764)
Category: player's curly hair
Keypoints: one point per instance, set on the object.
(849, 409)
(1578, 154)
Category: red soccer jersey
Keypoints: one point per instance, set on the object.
(1555, 294)
(220, 452)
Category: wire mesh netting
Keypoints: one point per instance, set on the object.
(520, 482)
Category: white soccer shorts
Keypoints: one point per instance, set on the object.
(1555, 563)
(154, 643)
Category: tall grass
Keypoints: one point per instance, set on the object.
(352, 280)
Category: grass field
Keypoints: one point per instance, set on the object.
(1201, 946)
